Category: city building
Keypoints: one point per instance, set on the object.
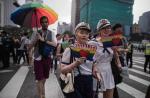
(6, 8)
(18, 3)
(75, 13)
(41, 1)
(62, 27)
(136, 28)
(117, 11)
(144, 22)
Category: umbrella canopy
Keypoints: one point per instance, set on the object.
(29, 14)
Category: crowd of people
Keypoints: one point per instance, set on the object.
(105, 68)
(15, 47)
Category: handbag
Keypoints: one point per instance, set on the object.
(125, 72)
(47, 49)
(116, 72)
(67, 82)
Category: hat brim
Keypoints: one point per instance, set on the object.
(84, 28)
(104, 26)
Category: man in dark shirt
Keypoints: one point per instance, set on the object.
(6, 44)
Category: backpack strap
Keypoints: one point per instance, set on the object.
(49, 33)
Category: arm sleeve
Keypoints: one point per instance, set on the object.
(33, 38)
(66, 56)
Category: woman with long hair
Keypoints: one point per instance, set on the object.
(103, 58)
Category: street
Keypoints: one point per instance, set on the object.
(19, 82)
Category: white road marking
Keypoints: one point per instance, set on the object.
(142, 81)
(4, 71)
(139, 72)
(12, 88)
(134, 65)
(130, 90)
(52, 88)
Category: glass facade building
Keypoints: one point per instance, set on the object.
(117, 11)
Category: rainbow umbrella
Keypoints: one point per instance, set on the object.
(29, 14)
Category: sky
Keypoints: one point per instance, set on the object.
(63, 8)
(139, 7)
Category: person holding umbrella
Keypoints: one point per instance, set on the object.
(36, 15)
(41, 63)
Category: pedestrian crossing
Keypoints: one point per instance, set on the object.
(138, 63)
(135, 86)
(132, 91)
(13, 88)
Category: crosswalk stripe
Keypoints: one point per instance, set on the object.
(139, 62)
(139, 67)
(12, 88)
(139, 72)
(142, 81)
(139, 57)
(51, 88)
(130, 90)
(142, 60)
(136, 52)
(4, 71)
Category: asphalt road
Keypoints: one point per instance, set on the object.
(19, 82)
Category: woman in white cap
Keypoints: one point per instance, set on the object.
(103, 58)
(83, 81)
